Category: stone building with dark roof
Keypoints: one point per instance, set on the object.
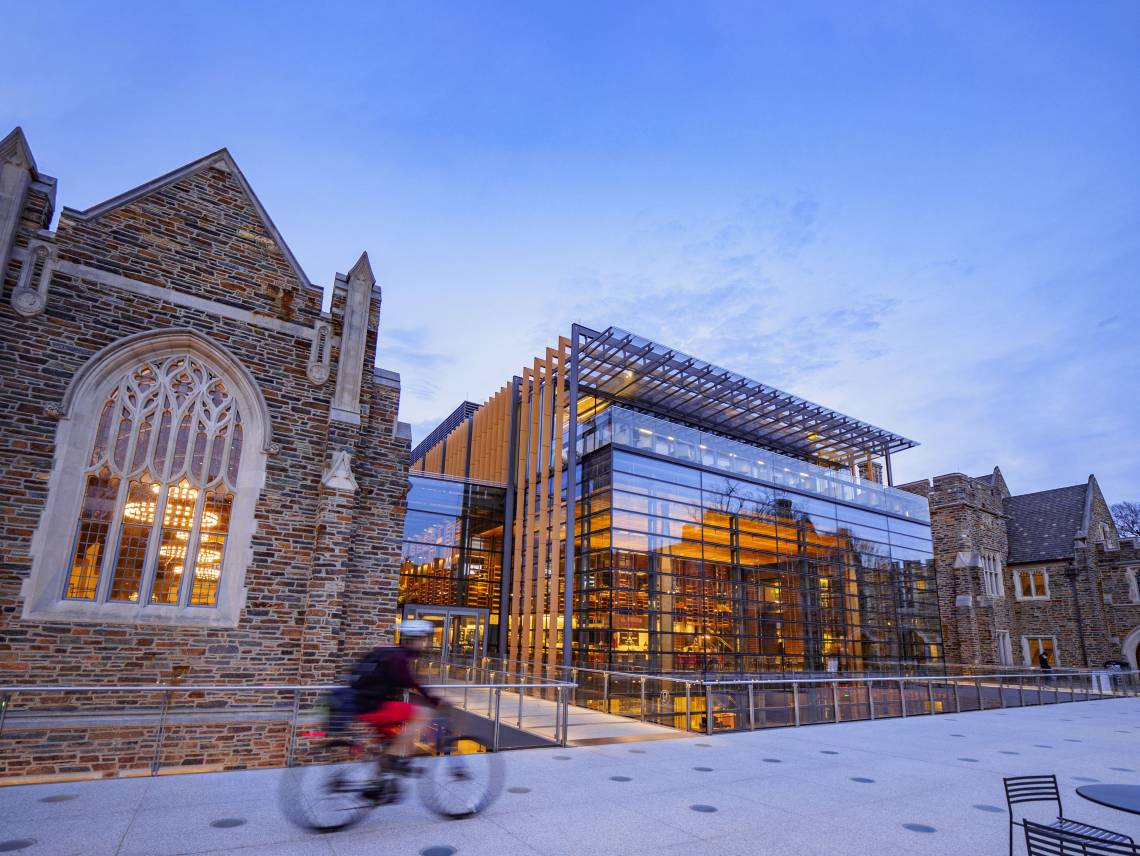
(1022, 575)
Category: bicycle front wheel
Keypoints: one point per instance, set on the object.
(327, 797)
(463, 779)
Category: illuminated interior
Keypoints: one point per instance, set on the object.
(718, 524)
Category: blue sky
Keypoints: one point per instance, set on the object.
(926, 215)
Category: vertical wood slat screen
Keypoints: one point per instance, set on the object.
(536, 596)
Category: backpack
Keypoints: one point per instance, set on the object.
(371, 680)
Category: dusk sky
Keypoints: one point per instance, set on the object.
(925, 215)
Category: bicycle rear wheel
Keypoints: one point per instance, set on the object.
(463, 779)
(330, 796)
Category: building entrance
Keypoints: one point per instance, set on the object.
(460, 632)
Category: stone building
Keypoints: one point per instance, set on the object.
(203, 477)
(1018, 575)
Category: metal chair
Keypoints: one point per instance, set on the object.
(1042, 840)
(1023, 789)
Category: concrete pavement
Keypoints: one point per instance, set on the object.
(927, 785)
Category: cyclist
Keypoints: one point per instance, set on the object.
(380, 681)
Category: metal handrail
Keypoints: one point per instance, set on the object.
(915, 678)
(18, 688)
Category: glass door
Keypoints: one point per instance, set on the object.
(460, 633)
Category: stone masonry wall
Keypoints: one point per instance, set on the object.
(203, 237)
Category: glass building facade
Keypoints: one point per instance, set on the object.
(453, 561)
(718, 524)
(691, 561)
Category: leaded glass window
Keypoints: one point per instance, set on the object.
(159, 488)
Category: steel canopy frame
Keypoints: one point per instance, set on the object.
(624, 368)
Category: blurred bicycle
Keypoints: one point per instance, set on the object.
(459, 776)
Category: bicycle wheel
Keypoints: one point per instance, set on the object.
(463, 779)
(326, 797)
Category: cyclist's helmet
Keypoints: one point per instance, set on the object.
(415, 628)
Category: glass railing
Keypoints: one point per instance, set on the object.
(641, 432)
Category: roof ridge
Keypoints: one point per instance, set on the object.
(1082, 486)
(224, 160)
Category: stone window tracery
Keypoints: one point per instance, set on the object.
(159, 488)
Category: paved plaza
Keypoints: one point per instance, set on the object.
(928, 785)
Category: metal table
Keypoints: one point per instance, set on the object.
(1120, 797)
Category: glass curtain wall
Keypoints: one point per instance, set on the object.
(453, 546)
(685, 570)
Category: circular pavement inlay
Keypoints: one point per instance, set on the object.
(54, 798)
(703, 769)
(16, 844)
(518, 790)
(986, 807)
(228, 822)
(704, 808)
(772, 761)
(1084, 779)
(918, 827)
(862, 779)
(620, 779)
(828, 752)
(438, 850)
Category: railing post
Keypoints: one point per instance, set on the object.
(495, 732)
(1001, 690)
(465, 683)
(978, 686)
(902, 697)
(796, 700)
(5, 700)
(643, 698)
(293, 728)
(565, 716)
(522, 690)
(1021, 692)
(557, 712)
(490, 700)
(930, 694)
(606, 691)
(688, 706)
(871, 697)
(957, 698)
(156, 760)
(751, 709)
(708, 710)
(835, 701)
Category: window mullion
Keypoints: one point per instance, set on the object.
(191, 558)
(154, 543)
(111, 554)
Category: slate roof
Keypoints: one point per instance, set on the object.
(1042, 526)
(987, 480)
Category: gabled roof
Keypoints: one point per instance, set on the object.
(987, 480)
(221, 159)
(1042, 526)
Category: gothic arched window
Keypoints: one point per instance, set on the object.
(160, 460)
(159, 488)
